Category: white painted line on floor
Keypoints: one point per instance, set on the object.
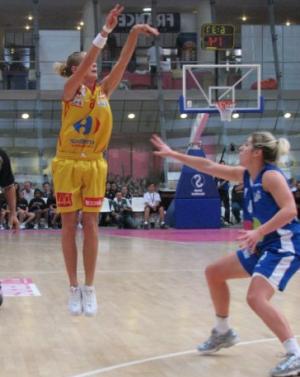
(182, 243)
(166, 356)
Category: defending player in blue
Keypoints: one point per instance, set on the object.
(269, 252)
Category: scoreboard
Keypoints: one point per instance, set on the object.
(217, 36)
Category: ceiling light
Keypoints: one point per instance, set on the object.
(30, 17)
(81, 23)
(147, 9)
(287, 115)
(131, 116)
(244, 18)
(288, 23)
(235, 116)
(27, 27)
(183, 116)
(78, 27)
(25, 116)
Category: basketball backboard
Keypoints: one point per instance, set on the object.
(209, 88)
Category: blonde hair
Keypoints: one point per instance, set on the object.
(64, 69)
(271, 147)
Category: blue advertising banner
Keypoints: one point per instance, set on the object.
(197, 203)
(193, 184)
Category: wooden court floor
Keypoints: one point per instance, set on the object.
(154, 310)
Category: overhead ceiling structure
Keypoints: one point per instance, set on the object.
(54, 14)
(65, 14)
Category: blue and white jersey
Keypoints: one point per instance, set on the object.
(259, 207)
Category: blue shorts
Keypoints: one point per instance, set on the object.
(276, 267)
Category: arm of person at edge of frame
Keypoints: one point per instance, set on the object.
(274, 183)
(111, 82)
(10, 194)
(229, 173)
(74, 82)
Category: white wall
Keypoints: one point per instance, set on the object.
(257, 48)
(188, 23)
(55, 45)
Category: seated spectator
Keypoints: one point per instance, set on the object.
(18, 189)
(107, 189)
(53, 215)
(223, 188)
(237, 198)
(126, 194)
(46, 190)
(122, 212)
(111, 189)
(28, 191)
(24, 216)
(38, 206)
(152, 205)
(118, 181)
(105, 218)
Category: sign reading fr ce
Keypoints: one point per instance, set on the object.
(166, 22)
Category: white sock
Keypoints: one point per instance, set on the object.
(222, 325)
(291, 346)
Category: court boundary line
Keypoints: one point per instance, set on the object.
(186, 242)
(165, 356)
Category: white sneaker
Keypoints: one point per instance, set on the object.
(217, 341)
(289, 366)
(75, 301)
(36, 226)
(89, 301)
(22, 226)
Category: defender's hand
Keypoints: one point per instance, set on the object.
(163, 150)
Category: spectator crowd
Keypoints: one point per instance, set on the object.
(36, 206)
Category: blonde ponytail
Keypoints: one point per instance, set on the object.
(271, 147)
(60, 69)
(65, 69)
(284, 146)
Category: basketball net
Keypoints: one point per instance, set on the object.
(225, 108)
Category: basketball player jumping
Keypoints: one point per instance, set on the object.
(79, 168)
